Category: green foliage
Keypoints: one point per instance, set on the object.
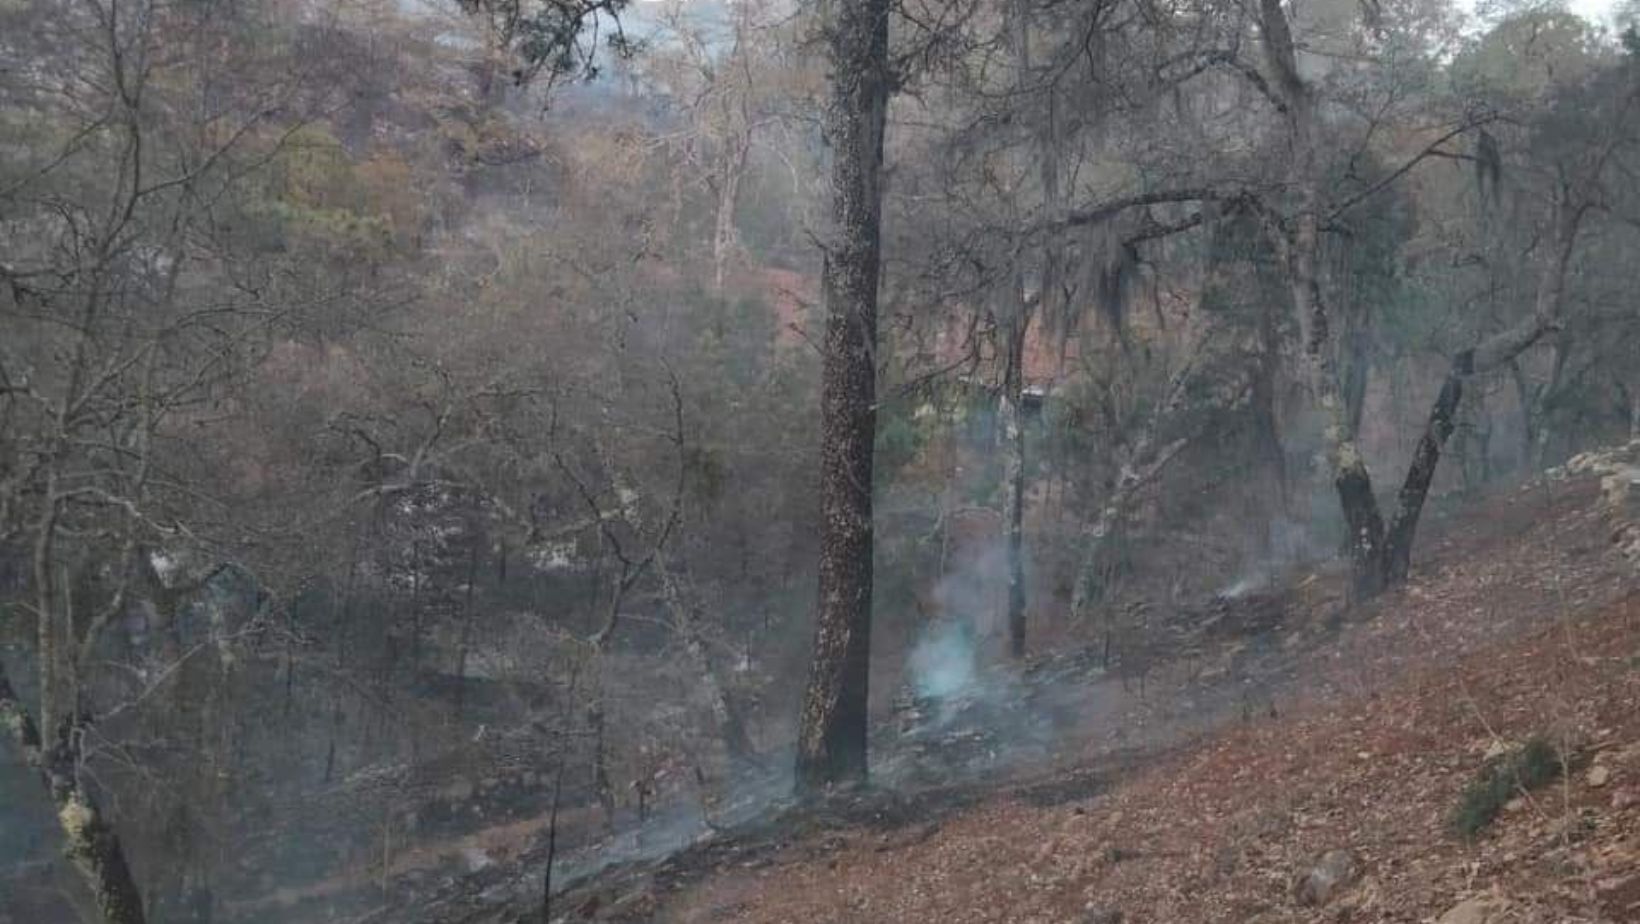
(546, 35)
(315, 190)
(1534, 764)
(900, 438)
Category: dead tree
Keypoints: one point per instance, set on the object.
(92, 847)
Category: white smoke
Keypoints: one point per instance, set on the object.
(943, 661)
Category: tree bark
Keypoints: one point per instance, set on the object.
(732, 170)
(1011, 443)
(832, 733)
(1421, 472)
(91, 844)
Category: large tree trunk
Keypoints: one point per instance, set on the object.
(91, 844)
(831, 745)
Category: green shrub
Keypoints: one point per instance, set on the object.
(1534, 764)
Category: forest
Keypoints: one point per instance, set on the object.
(453, 450)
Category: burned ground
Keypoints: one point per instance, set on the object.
(1272, 727)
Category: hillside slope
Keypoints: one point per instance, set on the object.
(1201, 776)
(1524, 621)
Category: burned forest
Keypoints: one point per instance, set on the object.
(1061, 461)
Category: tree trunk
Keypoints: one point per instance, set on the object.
(730, 174)
(832, 733)
(602, 786)
(1299, 251)
(1011, 444)
(686, 617)
(1543, 409)
(1351, 480)
(1499, 350)
(1524, 398)
(45, 603)
(91, 844)
(1472, 447)
(1357, 370)
(1421, 472)
(1144, 464)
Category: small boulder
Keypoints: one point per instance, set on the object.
(1599, 775)
(1333, 873)
(1474, 911)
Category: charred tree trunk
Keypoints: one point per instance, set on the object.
(832, 734)
(1011, 443)
(1421, 472)
(92, 846)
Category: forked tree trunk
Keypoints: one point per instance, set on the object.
(90, 842)
(831, 746)
(1380, 556)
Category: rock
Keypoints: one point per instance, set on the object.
(1092, 915)
(1334, 872)
(1573, 828)
(1474, 911)
(1599, 775)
